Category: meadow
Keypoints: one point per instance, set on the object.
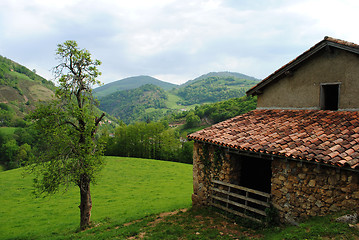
(128, 189)
(7, 130)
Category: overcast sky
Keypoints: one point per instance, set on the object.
(173, 40)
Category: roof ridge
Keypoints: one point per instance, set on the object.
(340, 41)
(302, 57)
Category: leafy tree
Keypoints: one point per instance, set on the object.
(192, 120)
(9, 150)
(69, 152)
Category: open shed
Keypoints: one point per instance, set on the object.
(298, 151)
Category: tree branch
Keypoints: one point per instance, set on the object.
(72, 124)
(98, 120)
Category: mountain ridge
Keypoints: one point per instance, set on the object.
(130, 83)
(220, 74)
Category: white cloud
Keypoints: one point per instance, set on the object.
(174, 39)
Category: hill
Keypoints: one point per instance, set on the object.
(221, 75)
(140, 105)
(213, 89)
(130, 83)
(130, 105)
(20, 89)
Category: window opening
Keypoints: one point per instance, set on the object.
(329, 97)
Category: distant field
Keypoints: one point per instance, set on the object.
(172, 101)
(129, 189)
(7, 130)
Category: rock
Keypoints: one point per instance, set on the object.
(319, 204)
(334, 208)
(355, 195)
(290, 220)
(356, 226)
(301, 175)
(311, 183)
(349, 218)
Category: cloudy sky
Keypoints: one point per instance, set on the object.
(173, 40)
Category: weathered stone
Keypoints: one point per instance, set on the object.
(276, 181)
(311, 198)
(349, 218)
(301, 176)
(319, 204)
(311, 183)
(332, 180)
(350, 179)
(345, 189)
(334, 208)
(282, 178)
(355, 195)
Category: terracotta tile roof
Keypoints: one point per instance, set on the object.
(327, 41)
(330, 137)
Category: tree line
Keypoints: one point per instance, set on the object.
(207, 114)
(155, 140)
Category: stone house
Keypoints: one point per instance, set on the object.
(299, 150)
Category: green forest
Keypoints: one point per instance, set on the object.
(213, 89)
(151, 102)
(130, 105)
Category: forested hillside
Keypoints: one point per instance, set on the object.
(20, 89)
(221, 75)
(207, 114)
(213, 89)
(130, 105)
(131, 83)
(141, 104)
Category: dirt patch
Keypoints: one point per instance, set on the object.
(162, 216)
(195, 224)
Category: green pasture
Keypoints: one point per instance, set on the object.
(7, 130)
(128, 189)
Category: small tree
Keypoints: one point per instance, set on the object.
(69, 152)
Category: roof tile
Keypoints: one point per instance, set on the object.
(301, 134)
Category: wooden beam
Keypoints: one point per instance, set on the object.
(265, 204)
(236, 213)
(263, 213)
(242, 188)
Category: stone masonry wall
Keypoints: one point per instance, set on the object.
(300, 190)
(209, 162)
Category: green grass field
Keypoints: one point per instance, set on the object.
(7, 130)
(128, 189)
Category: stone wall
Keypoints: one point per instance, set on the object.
(300, 190)
(209, 162)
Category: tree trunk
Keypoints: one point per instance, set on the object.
(86, 202)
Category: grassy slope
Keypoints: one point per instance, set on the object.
(128, 189)
(7, 130)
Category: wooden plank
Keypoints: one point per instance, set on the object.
(265, 204)
(263, 213)
(242, 188)
(236, 213)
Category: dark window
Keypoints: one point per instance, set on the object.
(329, 97)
